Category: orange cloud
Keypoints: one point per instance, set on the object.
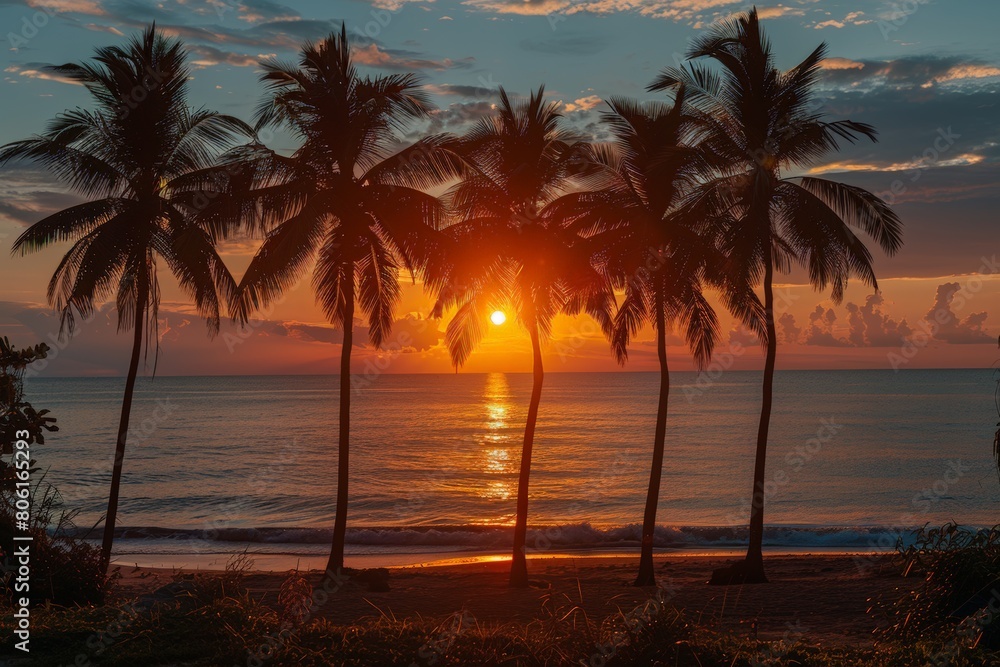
(207, 56)
(854, 18)
(373, 56)
(89, 7)
(841, 63)
(963, 160)
(524, 8)
(779, 11)
(678, 10)
(32, 73)
(968, 71)
(584, 103)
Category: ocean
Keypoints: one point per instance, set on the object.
(222, 465)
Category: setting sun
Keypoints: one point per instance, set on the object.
(498, 317)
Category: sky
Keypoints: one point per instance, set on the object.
(925, 73)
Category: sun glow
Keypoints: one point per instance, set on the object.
(498, 317)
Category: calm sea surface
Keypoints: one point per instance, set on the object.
(854, 455)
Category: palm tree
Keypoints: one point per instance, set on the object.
(763, 122)
(659, 246)
(136, 158)
(507, 252)
(346, 202)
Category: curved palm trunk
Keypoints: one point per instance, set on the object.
(519, 564)
(116, 473)
(646, 576)
(336, 561)
(754, 572)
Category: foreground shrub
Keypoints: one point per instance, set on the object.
(64, 569)
(958, 598)
(231, 629)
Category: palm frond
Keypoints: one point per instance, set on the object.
(861, 209)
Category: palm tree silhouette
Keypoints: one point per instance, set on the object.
(138, 157)
(763, 121)
(659, 246)
(507, 251)
(346, 198)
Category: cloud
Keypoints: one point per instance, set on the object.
(868, 326)
(38, 71)
(821, 329)
(207, 56)
(589, 127)
(964, 71)
(695, 12)
(584, 103)
(170, 329)
(677, 10)
(274, 27)
(945, 147)
(88, 7)
(373, 55)
(104, 28)
(411, 333)
(459, 90)
(789, 331)
(963, 160)
(163, 11)
(31, 207)
(279, 34)
(457, 117)
(396, 5)
(841, 63)
(258, 11)
(854, 18)
(414, 333)
(943, 186)
(313, 333)
(924, 71)
(871, 327)
(742, 337)
(948, 326)
(521, 7)
(27, 194)
(265, 346)
(779, 11)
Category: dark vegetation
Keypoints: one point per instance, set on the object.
(212, 619)
(65, 570)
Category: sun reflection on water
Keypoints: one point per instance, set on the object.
(496, 455)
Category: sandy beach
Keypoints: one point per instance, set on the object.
(817, 599)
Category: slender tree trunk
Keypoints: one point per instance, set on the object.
(519, 565)
(336, 562)
(646, 576)
(111, 518)
(754, 572)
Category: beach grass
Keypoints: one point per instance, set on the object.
(243, 617)
(226, 632)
